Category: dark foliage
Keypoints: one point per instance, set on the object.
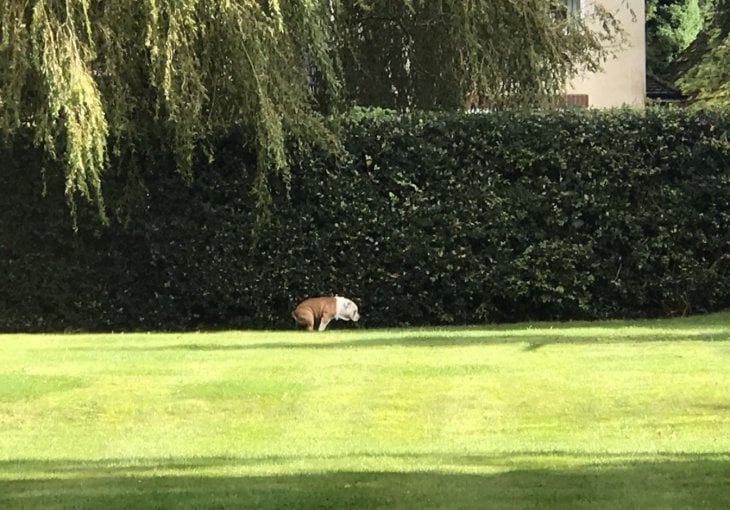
(428, 219)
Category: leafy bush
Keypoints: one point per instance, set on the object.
(427, 219)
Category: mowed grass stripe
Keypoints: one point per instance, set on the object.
(419, 408)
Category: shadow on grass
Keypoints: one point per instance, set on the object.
(425, 339)
(706, 328)
(690, 481)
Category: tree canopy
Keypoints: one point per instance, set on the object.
(100, 83)
(671, 25)
(702, 70)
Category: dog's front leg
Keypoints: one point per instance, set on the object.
(323, 323)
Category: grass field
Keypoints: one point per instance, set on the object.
(579, 415)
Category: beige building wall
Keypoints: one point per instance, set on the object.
(623, 79)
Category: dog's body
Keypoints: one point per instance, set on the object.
(321, 310)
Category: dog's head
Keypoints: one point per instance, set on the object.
(347, 310)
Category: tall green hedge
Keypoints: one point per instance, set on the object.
(426, 219)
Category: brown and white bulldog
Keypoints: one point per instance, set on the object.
(321, 310)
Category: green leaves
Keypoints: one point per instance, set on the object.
(140, 80)
(426, 219)
(72, 110)
(118, 85)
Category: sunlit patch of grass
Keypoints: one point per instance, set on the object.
(19, 386)
(242, 389)
(602, 414)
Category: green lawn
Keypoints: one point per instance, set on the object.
(598, 415)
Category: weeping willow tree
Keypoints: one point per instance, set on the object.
(499, 53)
(117, 80)
(101, 83)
